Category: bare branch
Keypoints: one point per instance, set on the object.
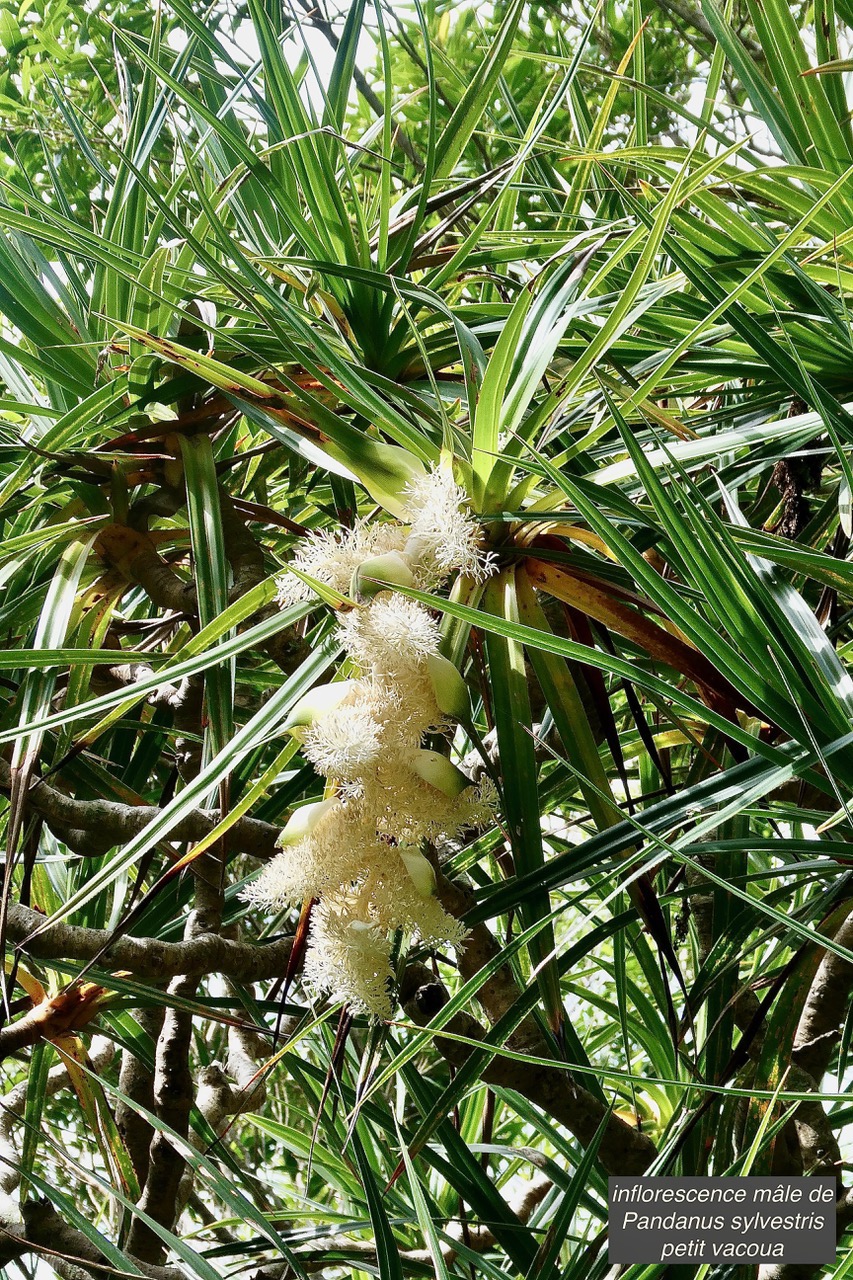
(118, 823)
(825, 1007)
(694, 18)
(476, 1238)
(623, 1149)
(71, 1253)
(219, 1100)
(132, 551)
(136, 1082)
(173, 1098)
(500, 992)
(322, 24)
(824, 1011)
(13, 1104)
(148, 958)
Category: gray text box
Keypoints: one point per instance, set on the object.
(722, 1220)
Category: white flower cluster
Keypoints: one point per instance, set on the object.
(358, 852)
(440, 536)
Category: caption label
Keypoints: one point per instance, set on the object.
(721, 1220)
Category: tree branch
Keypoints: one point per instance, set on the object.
(825, 1007)
(500, 992)
(173, 1095)
(133, 552)
(12, 1107)
(136, 1082)
(148, 958)
(173, 1099)
(108, 819)
(623, 1149)
(824, 1011)
(694, 18)
(478, 1239)
(70, 1252)
(219, 1100)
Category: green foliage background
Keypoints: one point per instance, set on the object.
(601, 260)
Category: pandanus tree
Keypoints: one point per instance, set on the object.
(426, 756)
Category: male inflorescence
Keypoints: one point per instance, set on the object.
(358, 853)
